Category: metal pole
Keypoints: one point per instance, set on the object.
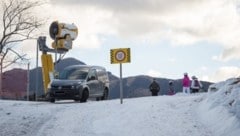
(121, 86)
(28, 83)
(36, 85)
(55, 64)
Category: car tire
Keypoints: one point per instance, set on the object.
(76, 100)
(105, 95)
(52, 100)
(85, 95)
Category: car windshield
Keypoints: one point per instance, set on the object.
(74, 73)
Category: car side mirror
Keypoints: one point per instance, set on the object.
(92, 78)
(56, 75)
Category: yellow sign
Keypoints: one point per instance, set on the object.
(121, 55)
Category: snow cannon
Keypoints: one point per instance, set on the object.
(63, 34)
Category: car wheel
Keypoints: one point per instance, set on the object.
(105, 95)
(84, 97)
(76, 100)
(52, 100)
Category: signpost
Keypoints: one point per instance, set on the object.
(119, 56)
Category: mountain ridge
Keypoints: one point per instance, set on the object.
(133, 86)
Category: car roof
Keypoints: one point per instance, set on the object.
(84, 66)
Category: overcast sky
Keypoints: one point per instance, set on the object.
(167, 38)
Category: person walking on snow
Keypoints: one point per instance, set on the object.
(171, 89)
(186, 84)
(154, 88)
(195, 85)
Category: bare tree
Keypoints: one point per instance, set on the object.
(18, 25)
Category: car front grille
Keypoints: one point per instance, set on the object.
(67, 87)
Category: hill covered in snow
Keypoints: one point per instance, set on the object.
(215, 113)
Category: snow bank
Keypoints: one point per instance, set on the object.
(220, 110)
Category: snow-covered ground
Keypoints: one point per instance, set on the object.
(216, 113)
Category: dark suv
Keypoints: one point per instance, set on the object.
(79, 82)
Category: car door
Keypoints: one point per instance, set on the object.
(100, 75)
(92, 82)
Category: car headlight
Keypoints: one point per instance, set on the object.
(73, 87)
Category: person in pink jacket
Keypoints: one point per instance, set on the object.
(186, 84)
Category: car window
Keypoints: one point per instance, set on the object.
(73, 74)
(77, 74)
(92, 74)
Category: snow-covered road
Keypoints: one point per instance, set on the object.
(155, 116)
(216, 113)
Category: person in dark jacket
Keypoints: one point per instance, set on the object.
(171, 89)
(154, 88)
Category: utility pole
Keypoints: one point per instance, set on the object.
(36, 81)
(28, 83)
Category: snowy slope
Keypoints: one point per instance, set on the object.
(220, 110)
(207, 114)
